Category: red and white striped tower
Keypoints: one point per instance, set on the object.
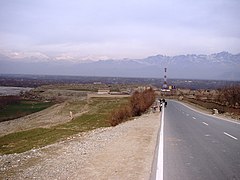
(165, 86)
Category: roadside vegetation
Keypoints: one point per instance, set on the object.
(226, 100)
(138, 103)
(229, 96)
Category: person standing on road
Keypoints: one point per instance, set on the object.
(160, 107)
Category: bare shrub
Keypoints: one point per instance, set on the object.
(136, 104)
(120, 115)
(229, 95)
(139, 102)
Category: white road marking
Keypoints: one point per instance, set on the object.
(205, 123)
(159, 172)
(230, 136)
(193, 117)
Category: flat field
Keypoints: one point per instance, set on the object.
(23, 108)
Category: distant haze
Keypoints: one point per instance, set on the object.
(218, 66)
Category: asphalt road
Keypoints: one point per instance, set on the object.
(198, 146)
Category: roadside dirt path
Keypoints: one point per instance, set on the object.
(122, 152)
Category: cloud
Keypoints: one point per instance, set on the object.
(123, 28)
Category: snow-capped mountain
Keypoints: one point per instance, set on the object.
(222, 66)
(25, 56)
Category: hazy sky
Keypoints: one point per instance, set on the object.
(120, 28)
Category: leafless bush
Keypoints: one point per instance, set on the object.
(141, 101)
(229, 96)
(120, 115)
(138, 104)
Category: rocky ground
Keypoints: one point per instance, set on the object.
(122, 152)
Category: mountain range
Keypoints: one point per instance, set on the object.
(218, 66)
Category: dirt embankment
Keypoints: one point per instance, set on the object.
(51, 116)
(122, 152)
(69, 100)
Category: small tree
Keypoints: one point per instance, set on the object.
(229, 95)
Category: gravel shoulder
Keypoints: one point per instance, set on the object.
(122, 152)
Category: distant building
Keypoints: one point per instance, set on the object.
(97, 83)
(104, 91)
(143, 88)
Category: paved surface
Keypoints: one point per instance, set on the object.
(198, 146)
